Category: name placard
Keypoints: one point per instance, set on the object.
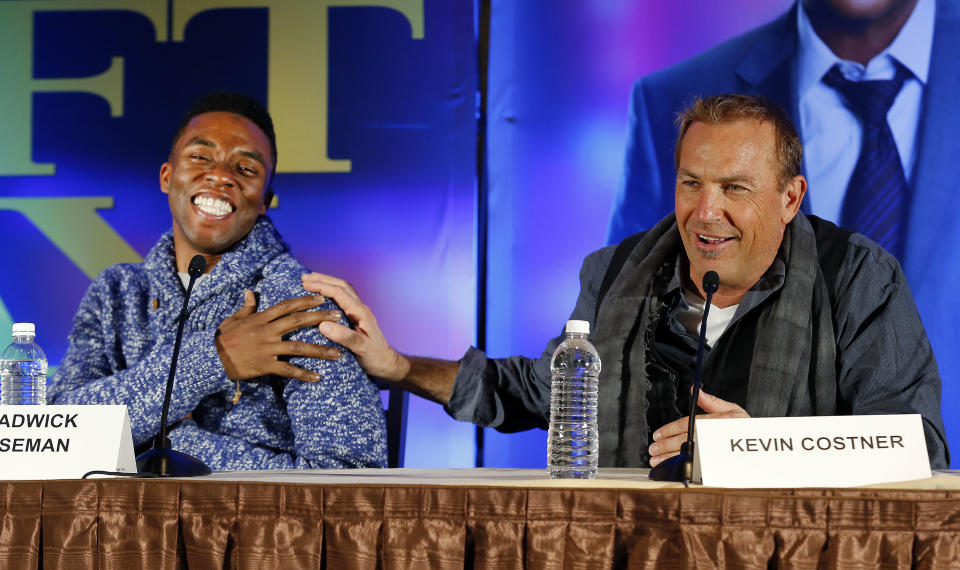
(64, 442)
(820, 451)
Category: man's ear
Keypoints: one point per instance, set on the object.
(791, 197)
(267, 198)
(165, 177)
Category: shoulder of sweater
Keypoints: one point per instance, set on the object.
(285, 263)
(120, 275)
(280, 279)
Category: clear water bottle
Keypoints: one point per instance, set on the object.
(23, 369)
(573, 438)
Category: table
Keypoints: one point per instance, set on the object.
(473, 518)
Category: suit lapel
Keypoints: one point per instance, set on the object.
(769, 70)
(768, 67)
(935, 204)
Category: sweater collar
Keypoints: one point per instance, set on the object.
(240, 263)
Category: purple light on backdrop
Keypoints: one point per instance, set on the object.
(559, 88)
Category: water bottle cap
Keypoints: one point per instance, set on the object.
(21, 329)
(578, 327)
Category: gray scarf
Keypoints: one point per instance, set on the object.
(793, 369)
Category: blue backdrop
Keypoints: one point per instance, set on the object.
(376, 118)
(559, 85)
(376, 111)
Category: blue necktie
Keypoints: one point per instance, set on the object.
(877, 196)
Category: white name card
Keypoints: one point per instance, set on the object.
(819, 451)
(64, 442)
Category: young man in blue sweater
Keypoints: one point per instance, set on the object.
(243, 404)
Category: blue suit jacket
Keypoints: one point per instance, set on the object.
(762, 62)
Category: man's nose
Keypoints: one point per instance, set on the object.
(710, 209)
(220, 175)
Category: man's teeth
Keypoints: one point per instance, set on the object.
(213, 206)
(709, 239)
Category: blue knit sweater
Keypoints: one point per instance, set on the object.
(122, 342)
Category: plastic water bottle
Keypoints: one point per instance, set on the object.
(23, 369)
(573, 438)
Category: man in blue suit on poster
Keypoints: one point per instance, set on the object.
(806, 60)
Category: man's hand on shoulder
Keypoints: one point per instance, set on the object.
(668, 439)
(365, 340)
(250, 343)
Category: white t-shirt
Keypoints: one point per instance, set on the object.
(185, 279)
(717, 320)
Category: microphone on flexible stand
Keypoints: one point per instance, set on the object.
(163, 461)
(680, 467)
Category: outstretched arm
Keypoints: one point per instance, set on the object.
(509, 394)
(427, 377)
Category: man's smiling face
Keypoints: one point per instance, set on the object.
(730, 209)
(216, 180)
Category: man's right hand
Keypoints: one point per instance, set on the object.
(251, 343)
(365, 340)
(669, 438)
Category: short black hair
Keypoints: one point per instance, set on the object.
(238, 104)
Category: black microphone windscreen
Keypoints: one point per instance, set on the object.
(711, 282)
(197, 266)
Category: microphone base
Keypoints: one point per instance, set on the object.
(165, 462)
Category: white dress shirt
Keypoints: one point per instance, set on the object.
(830, 133)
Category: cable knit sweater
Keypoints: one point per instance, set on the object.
(122, 342)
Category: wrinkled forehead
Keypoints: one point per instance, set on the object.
(736, 138)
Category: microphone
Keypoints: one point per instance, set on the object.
(162, 461)
(680, 467)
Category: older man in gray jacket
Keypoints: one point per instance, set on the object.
(809, 319)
